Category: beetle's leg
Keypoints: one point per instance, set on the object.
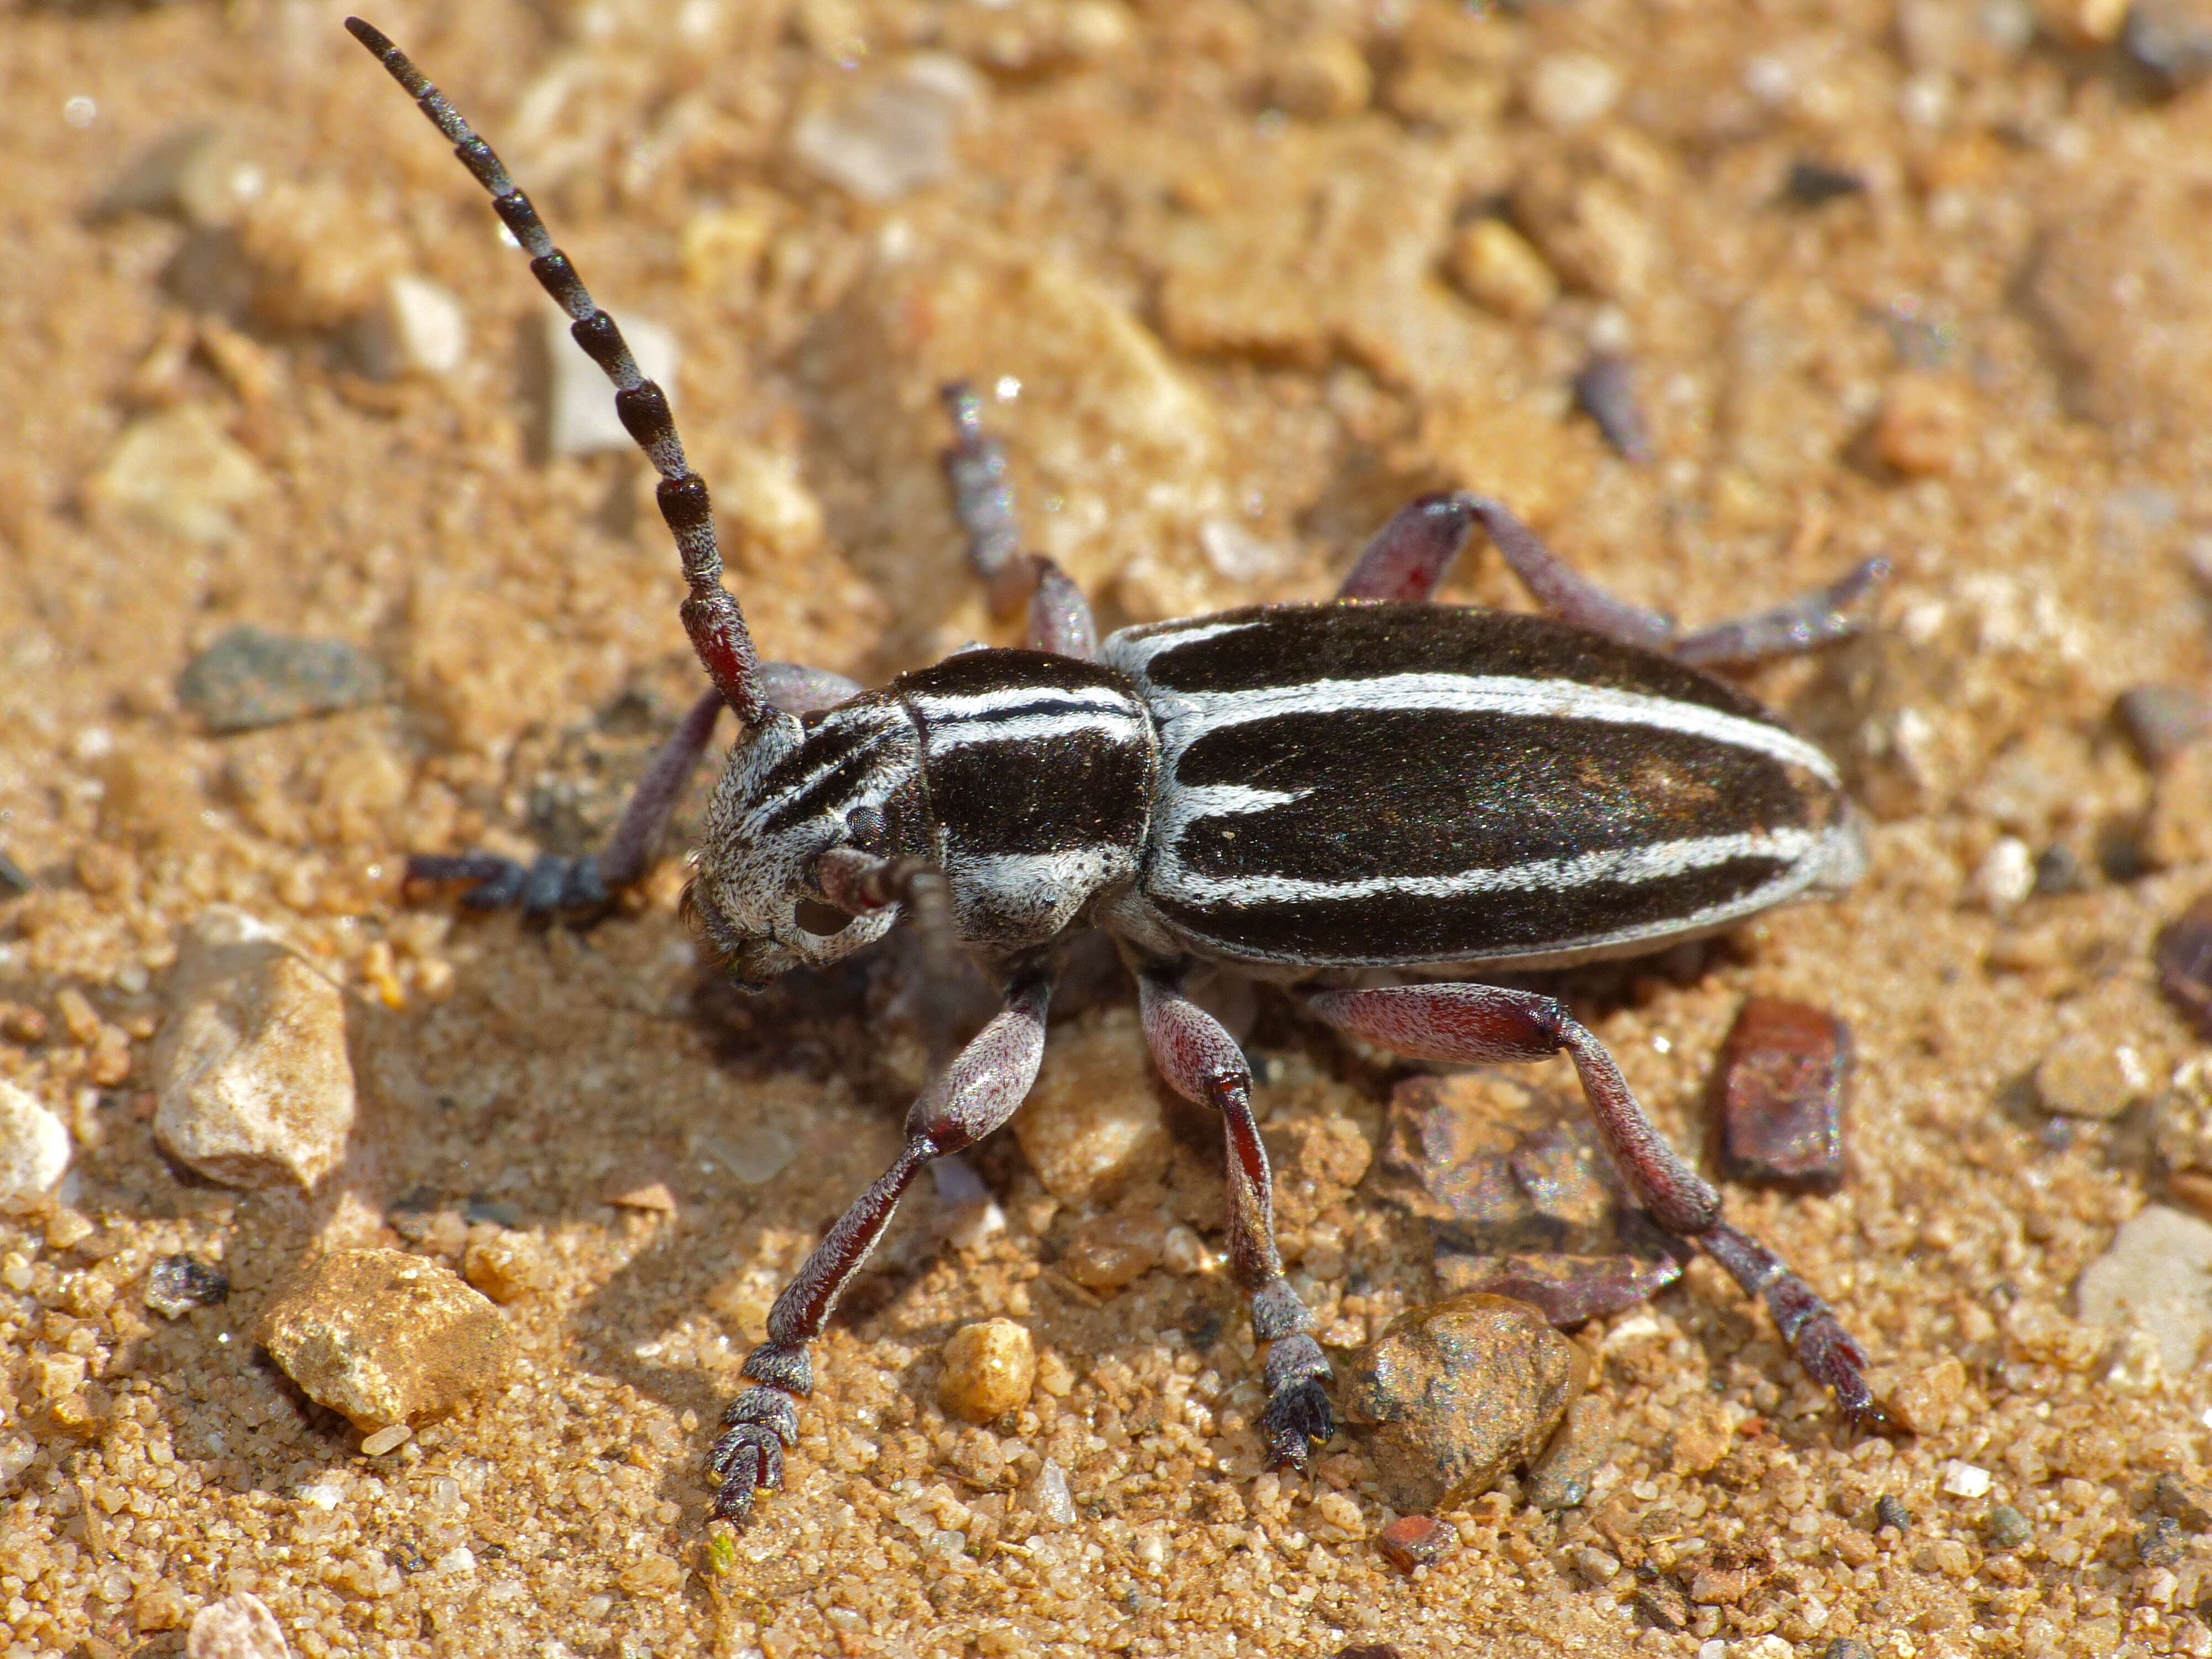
(1809, 620)
(1409, 555)
(983, 500)
(1408, 561)
(1814, 619)
(1474, 1024)
(971, 1097)
(582, 884)
(1203, 1064)
(1559, 589)
(1059, 616)
(1059, 619)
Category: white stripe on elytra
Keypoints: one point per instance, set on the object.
(1132, 650)
(1625, 865)
(1840, 852)
(989, 717)
(1185, 717)
(1121, 726)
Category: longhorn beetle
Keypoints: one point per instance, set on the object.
(1298, 791)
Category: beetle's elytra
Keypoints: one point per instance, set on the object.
(1297, 791)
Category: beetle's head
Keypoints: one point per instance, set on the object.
(793, 790)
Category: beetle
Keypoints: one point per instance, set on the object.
(1335, 796)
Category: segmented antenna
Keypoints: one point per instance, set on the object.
(711, 616)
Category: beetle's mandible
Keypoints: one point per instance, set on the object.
(1301, 792)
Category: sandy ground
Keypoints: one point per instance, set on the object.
(1218, 263)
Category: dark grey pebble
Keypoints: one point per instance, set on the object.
(2161, 1542)
(2184, 958)
(14, 881)
(178, 1284)
(1889, 1512)
(2008, 1529)
(1847, 1647)
(2162, 721)
(1811, 183)
(250, 678)
(2169, 41)
(2058, 869)
(497, 1211)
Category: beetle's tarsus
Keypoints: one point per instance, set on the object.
(1298, 1419)
(745, 1460)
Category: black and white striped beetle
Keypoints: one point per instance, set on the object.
(1301, 792)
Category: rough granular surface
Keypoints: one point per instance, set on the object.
(1236, 278)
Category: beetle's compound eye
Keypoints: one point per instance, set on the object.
(865, 829)
(819, 919)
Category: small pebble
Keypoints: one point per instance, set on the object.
(1325, 77)
(2162, 721)
(2160, 1542)
(1182, 1251)
(1497, 269)
(579, 404)
(34, 1150)
(2177, 831)
(204, 176)
(1568, 91)
(2183, 956)
(2007, 1527)
(1111, 1251)
(250, 678)
(651, 1196)
(990, 1369)
(1920, 1399)
(1605, 390)
(2005, 876)
(1047, 1497)
(178, 1284)
(383, 1337)
(1595, 1565)
(2187, 1501)
(1092, 1123)
(505, 1266)
(2088, 1075)
(895, 136)
(178, 470)
(1814, 184)
(1889, 1512)
(1460, 1392)
(1846, 1647)
(2059, 869)
(2154, 1279)
(385, 1440)
(20, 1025)
(14, 881)
(1964, 1479)
(2083, 23)
(240, 1626)
(496, 1212)
(1779, 1090)
(417, 327)
(1922, 427)
(1719, 1586)
(253, 1084)
(2169, 41)
(1416, 1540)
